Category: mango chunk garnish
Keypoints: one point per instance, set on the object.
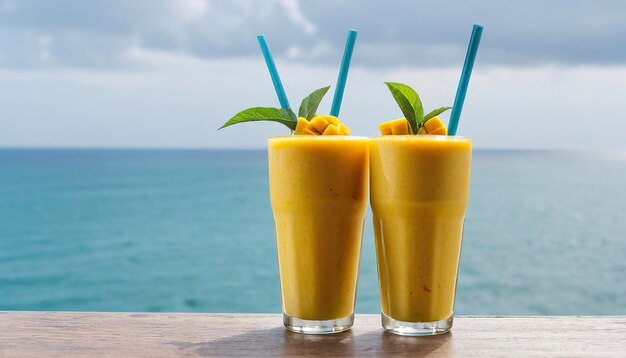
(321, 125)
(399, 126)
(302, 126)
(439, 131)
(402, 126)
(318, 124)
(332, 120)
(396, 126)
(331, 129)
(432, 124)
(385, 128)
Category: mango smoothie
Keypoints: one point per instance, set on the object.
(318, 192)
(419, 188)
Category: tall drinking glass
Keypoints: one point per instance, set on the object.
(419, 193)
(318, 192)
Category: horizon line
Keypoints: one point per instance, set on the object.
(265, 148)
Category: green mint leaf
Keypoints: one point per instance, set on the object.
(309, 104)
(409, 102)
(292, 116)
(435, 112)
(279, 115)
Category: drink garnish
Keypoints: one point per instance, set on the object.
(414, 121)
(306, 123)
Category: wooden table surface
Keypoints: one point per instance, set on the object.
(77, 334)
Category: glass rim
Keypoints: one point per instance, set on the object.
(318, 137)
(431, 137)
(428, 137)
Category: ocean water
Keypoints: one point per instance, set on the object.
(177, 230)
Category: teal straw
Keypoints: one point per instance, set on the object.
(472, 49)
(343, 73)
(271, 66)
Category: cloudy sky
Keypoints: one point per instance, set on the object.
(146, 73)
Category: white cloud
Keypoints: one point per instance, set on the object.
(167, 73)
(292, 7)
(294, 52)
(584, 33)
(192, 10)
(179, 101)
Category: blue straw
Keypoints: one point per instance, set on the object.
(465, 77)
(343, 73)
(271, 66)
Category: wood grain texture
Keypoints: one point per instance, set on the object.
(74, 334)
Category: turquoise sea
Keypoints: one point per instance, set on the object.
(191, 230)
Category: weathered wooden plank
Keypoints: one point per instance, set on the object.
(74, 334)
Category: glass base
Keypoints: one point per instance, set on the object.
(416, 328)
(318, 327)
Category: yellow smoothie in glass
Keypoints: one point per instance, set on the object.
(419, 188)
(318, 192)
